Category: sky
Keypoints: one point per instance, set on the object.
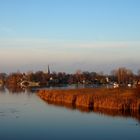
(69, 35)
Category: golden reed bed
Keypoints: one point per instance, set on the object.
(117, 99)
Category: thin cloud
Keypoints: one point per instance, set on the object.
(37, 52)
(46, 43)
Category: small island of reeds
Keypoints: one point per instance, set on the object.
(124, 99)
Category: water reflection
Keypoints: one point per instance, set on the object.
(23, 115)
(101, 111)
(119, 113)
(108, 112)
(16, 89)
(19, 89)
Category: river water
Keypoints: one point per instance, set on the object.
(24, 116)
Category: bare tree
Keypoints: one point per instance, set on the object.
(124, 75)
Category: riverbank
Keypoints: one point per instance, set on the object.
(116, 99)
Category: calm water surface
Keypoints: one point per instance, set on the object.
(24, 116)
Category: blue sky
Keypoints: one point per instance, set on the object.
(94, 35)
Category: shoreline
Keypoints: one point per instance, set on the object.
(112, 99)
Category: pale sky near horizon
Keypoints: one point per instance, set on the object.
(93, 35)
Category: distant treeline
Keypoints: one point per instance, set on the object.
(122, 76)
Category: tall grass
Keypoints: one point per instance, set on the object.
(116, 99)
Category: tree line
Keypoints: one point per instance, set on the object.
(122, 76)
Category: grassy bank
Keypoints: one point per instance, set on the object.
(116, 99)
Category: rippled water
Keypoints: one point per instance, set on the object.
(24, 116)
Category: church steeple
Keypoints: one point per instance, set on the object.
(48, 69)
